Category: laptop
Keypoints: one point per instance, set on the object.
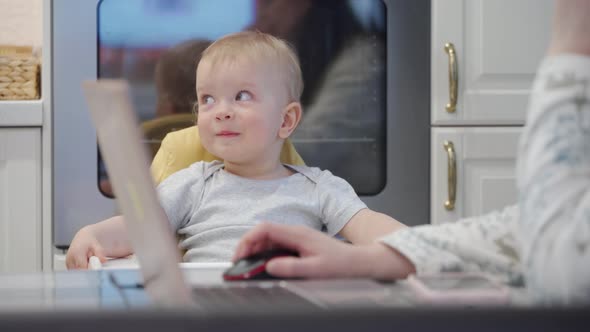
(154, 244)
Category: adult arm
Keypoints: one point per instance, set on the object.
(484, 243)
(554, 165)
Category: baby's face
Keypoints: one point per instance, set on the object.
(240, 109)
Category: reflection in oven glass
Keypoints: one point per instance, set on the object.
(156, 45)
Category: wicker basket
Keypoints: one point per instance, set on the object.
(19, 73)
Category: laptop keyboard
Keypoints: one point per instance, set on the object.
(244, 297)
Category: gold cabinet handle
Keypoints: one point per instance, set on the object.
(453, 77)
(452, 175)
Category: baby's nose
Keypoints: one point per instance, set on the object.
(225, 116)
(224, 113)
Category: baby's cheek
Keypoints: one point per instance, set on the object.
(205, 132)
(204, 123)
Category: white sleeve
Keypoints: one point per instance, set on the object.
(554, 182)
(477, 244)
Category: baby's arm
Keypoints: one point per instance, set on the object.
(367, 225)
(107, 238)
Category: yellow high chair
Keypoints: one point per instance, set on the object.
(179, 149)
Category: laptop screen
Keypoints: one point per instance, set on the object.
(149, 232)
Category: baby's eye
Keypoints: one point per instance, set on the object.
(244, 96)
(206, 99)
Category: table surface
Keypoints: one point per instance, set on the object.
(75, 300)
(94, 290)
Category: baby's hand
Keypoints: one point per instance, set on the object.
(83, 246)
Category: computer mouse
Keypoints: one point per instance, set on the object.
(254, 267)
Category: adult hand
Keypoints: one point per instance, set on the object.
(322, 256)
(571, 25)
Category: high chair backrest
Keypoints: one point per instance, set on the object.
(181, 148)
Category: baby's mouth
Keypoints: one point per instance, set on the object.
(227, 133)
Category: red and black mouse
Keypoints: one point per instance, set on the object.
(254, 267)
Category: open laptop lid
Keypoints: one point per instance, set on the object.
(127, 162)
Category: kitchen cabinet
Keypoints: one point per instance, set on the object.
(484, 56)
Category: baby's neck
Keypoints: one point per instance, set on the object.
(257, 171)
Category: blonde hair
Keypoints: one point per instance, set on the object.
(261, 47)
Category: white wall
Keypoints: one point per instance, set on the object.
(21, 22)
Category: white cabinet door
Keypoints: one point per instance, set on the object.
(498, 46)
(20, 199)
(484, 165)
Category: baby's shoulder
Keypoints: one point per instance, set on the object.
(196, 172)
(314, 174)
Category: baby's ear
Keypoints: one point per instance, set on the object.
(291, 118)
